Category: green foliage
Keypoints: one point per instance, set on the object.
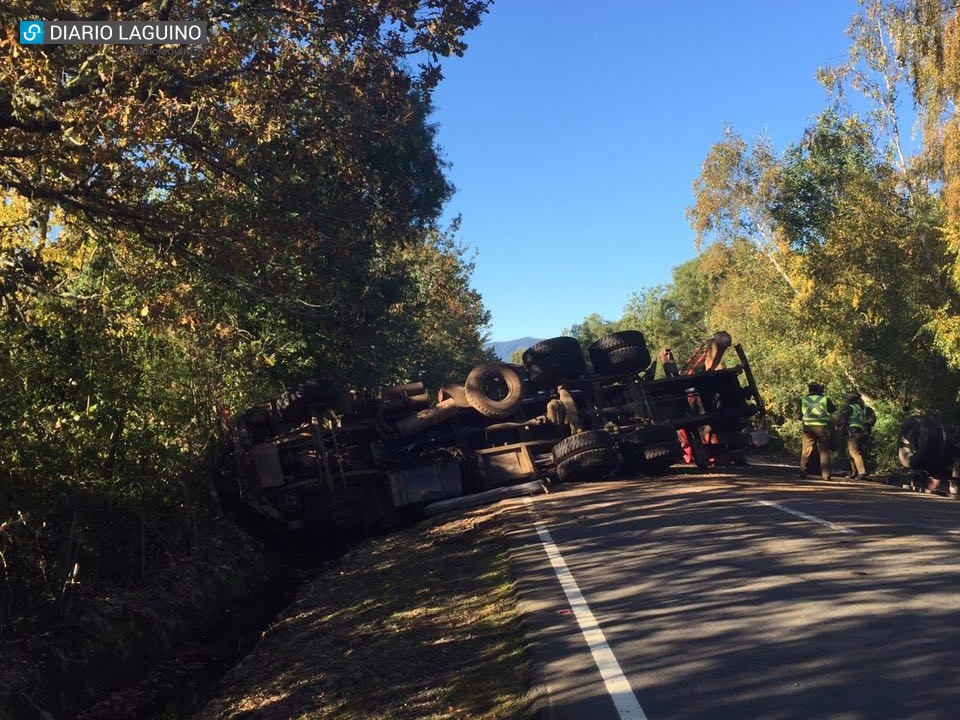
(592, 329)
(868, 260)
(890, 417)
(674, 315)
(900, 49)
(434, 330)
(733, 198)
(182, 236)
(753, 304)
(837, 261)
(836, 265)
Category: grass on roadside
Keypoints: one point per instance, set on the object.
(419, 624)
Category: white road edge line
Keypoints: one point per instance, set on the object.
(616, 683)
(811, 518)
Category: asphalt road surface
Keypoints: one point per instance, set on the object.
(747, 594)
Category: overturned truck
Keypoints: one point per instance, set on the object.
(324, 460)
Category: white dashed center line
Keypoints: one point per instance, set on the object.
(811, 518)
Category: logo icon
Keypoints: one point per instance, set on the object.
(31, 32)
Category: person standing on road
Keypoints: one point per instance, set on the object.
(853, 423)
(814, 411)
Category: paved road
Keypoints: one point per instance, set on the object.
(746, 595)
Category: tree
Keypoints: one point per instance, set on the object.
(899, 49)
(434, 332)
(675, 314)
(927, 38)
(732, 198)
(181, 236)
(181, 155)
(866, 281)
(591, 329)
(875, 69)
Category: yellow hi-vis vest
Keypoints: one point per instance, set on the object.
(857, 415)
(814, 409)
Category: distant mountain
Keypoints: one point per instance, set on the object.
(504, 349)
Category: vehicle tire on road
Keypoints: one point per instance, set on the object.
(620, 353)
(589, 465)
(922, 442)
(551, 361)
(579, 443)
(494, 389)
(657, 460)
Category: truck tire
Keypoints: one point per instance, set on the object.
(621, 339)
(620, 353)
(658, 460)
(582, 442)
(494, 389)
(922, 443)
(622, 361)
(551, 361)
(655, 459)
(588, 465)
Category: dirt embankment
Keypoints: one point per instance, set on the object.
(419, 624)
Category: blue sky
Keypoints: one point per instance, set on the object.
(574, 132)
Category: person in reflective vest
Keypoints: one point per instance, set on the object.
(815, 411)
(853, 423)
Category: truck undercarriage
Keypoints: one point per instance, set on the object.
(321, 460)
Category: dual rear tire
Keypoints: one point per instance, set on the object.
(589, 455)
(550, 362)
(620, 353)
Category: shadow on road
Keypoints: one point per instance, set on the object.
(718, 606)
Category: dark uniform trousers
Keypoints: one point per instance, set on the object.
(855, 442)
(816, 436)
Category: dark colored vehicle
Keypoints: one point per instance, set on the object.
(927, 446)
(321, 459)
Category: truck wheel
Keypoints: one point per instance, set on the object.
(651, 460)
(658, 460)
(553, 360)
(622, 361)
(617, 340)
(582, 442)
(921, 443)
(588, 465)
(620, 353)
(494, 389)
